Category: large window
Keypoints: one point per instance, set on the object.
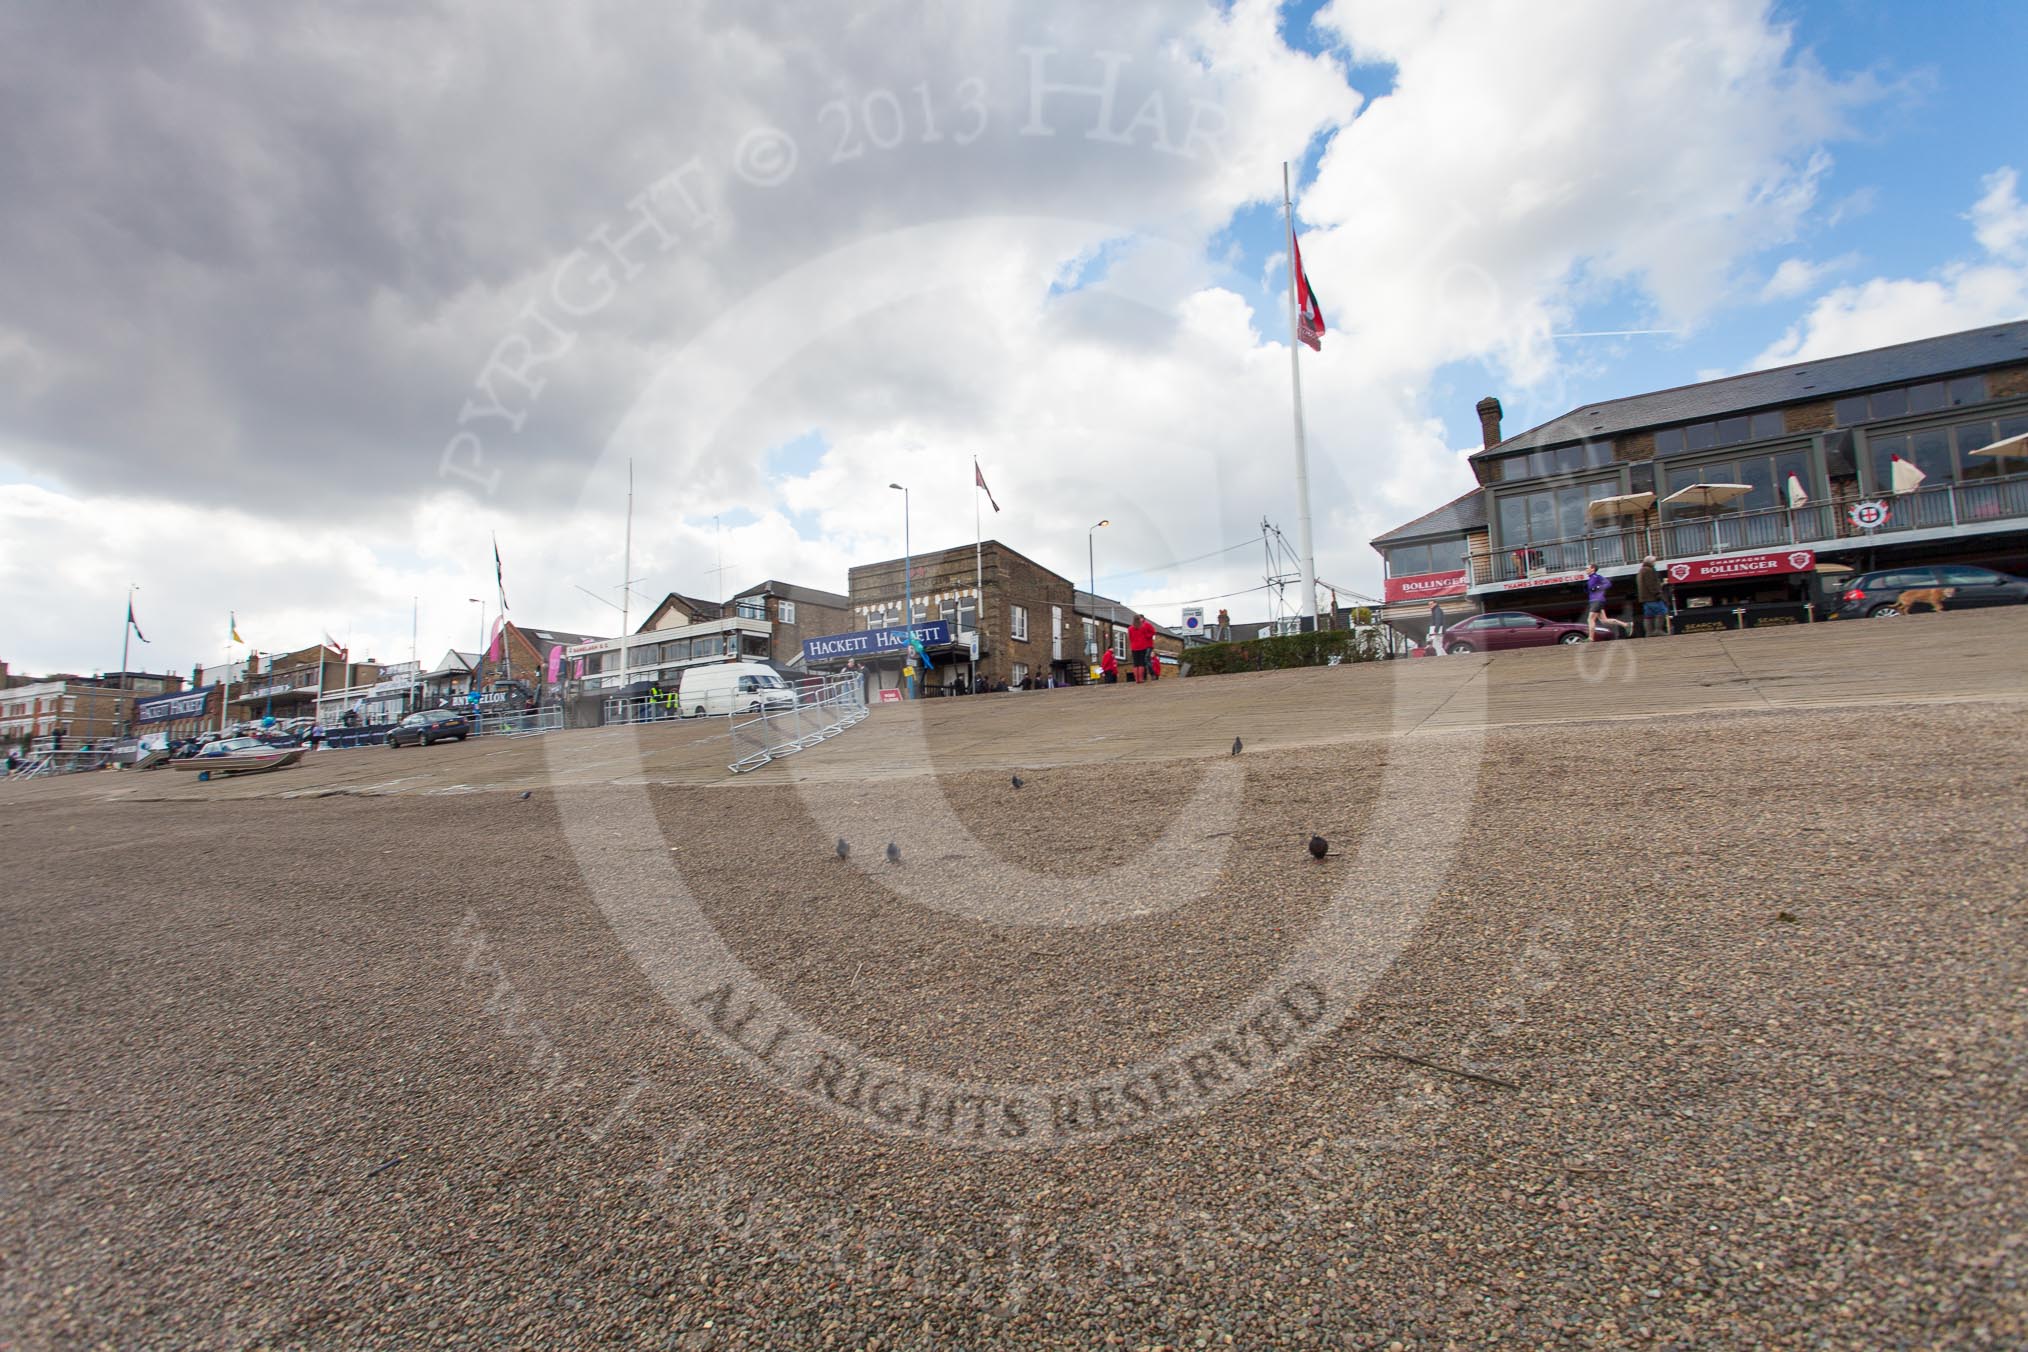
(785, 611)
(1017, 623)
(1569, 459)
(968, 614)
(1091, 637)
(1410, 560)
(1549, 513)
(1944, 454)
(1727, 431)
(1905, 399)
(751, 607)
(1766, 478)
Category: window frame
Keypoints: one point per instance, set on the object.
(785, 611)
(1017, 623)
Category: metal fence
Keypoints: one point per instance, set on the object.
(518, 724)
(824, 707)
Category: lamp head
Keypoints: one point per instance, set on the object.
(897, 486)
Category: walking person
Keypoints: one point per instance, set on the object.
(1595, 588)
(1436, 627)
(1654, 610)
(1141, 643)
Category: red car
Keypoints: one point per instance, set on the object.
(1500, 629)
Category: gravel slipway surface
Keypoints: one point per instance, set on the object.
(1744, 994)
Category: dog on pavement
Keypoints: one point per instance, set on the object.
(1933, 597)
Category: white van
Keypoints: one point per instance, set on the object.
(732, 687)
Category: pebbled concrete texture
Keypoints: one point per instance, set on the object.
(1711, 1033)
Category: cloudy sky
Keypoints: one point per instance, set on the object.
(301, 305)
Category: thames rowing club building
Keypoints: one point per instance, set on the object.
(1756, 493)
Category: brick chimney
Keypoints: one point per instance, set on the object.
(1489, 421)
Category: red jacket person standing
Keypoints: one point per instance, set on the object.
(1141, 642)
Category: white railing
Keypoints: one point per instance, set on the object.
(824, 707)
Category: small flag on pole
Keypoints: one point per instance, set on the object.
(1309, 314)
(1904, 474)
(1797, 497)
(232, 626)
(134, 622)
(333, 644)
(979, 478)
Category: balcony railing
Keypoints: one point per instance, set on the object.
(1978, 504)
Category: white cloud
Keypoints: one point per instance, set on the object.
(296, 333)
(2000, 219)
(1963, 294)
(1798, 276)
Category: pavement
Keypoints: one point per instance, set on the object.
(1662, 993)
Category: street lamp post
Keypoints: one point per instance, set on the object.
(1091, 563)
(907, 589)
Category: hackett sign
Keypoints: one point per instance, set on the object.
(1735, 566)
(1426, 586)
(865, 642)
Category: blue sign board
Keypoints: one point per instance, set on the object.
(182, 704)
(867, 642)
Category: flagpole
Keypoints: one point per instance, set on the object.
(1308, 596)
(978, 552)
(627, 581)
(126, 636)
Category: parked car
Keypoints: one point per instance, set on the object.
(1500, 629)
(430, 725)
(732, 687)
(1877, 594)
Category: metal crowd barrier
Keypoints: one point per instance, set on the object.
(824, 707)
(518, 724)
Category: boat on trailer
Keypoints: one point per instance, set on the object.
(240, 756)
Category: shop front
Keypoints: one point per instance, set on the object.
(887, 663)
(1744, 591)
(1409, 602)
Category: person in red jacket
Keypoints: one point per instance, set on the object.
(1109, 667)
(1141, 642)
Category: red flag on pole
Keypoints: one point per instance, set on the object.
(979, 478)
(1309, 314)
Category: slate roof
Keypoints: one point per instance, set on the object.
(1824, 378)
(789, 591)
(1465, 512)
(551, 637)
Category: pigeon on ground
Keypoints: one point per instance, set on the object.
(1319, 847)
(1237, 746)
(1017, 781)
(527, 794)
(843, 848)
(893, 853)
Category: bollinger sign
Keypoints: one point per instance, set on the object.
(1426, 586)
(1732, 567)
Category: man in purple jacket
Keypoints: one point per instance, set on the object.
(1595, 586)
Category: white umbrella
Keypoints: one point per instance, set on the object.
(1707, 495)
(1797, 497)
(2015, 446)
(1904, 475)
(1626, 504)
